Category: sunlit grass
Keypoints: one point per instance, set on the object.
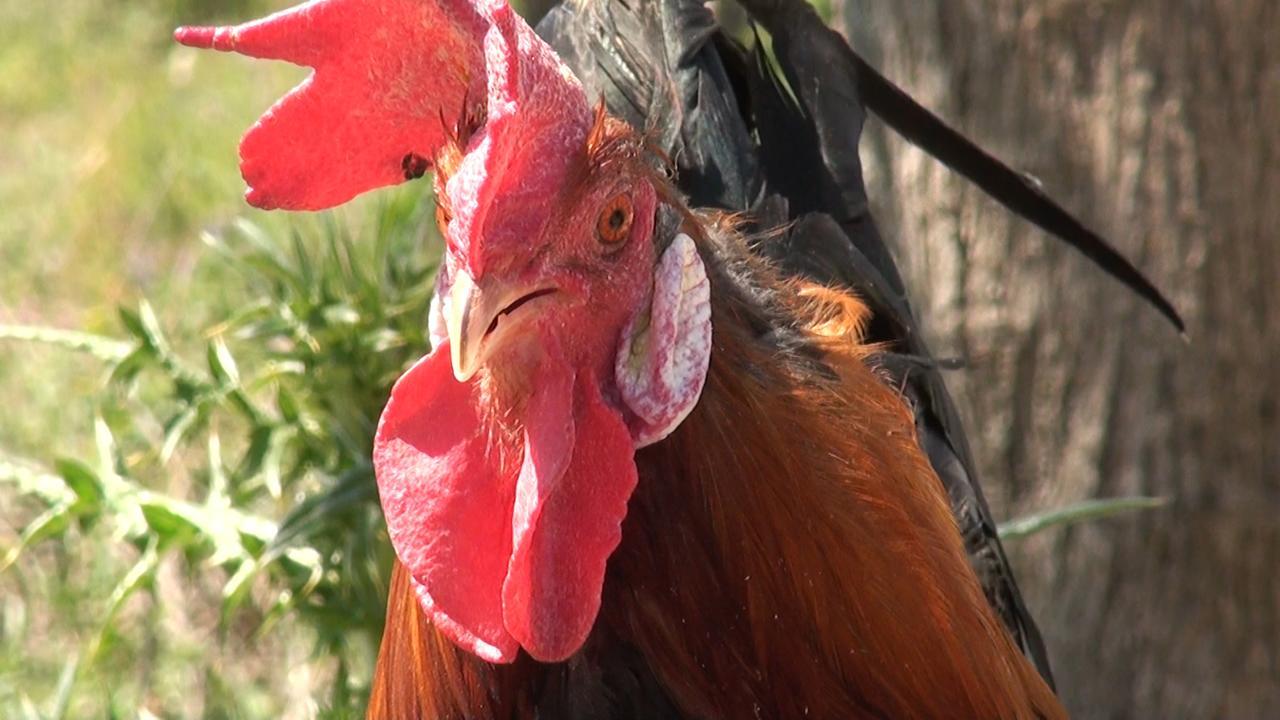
(119, 148)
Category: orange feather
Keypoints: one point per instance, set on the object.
(789, 552)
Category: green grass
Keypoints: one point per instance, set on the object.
(120, 150)
(119, 147)
(237, 475)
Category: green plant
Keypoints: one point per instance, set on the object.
(269, 433)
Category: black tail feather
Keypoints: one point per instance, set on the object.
(1014, 190)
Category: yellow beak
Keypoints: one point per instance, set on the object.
(466, 320)
(469, 315)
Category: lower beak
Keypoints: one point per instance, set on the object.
(469, 317)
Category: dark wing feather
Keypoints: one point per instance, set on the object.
(830, 78)
(655, 65)
(824, 110)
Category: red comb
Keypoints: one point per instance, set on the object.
(537, 118)
(386, 73)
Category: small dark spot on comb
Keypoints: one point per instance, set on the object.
(414, 166)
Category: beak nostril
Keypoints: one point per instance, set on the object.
(474, 325)
(523, 300)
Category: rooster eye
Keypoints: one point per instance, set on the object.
(614, 224)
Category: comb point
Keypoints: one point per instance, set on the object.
(260, 200)
(196, 37)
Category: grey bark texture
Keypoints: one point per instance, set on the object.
(1159, 122)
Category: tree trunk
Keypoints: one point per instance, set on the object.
(1159, 122)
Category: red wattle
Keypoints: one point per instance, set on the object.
(552, 592)
(499, 561)
(448, 504)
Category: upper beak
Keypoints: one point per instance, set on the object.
(469, 317)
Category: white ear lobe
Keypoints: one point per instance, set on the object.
(666, 347)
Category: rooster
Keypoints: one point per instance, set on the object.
(677, 450)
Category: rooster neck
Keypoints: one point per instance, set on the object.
(789, 552)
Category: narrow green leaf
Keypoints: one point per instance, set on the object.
(303, 262)
(29, 711)
(48, 523)
(99, 346)
(132, 323)
(355, 487)
(288, 406)
(109, 466)
(340, 314)
(170, 525)
(255, 311)
(83, 481)
(1023, 527)
(31, 480)
(142, 573)
(128, 368)
(61, 699)
(263, 254)
(237, 587)
(221, 364)
(175, 430)
(144, 325)
(273, 461)
(256, 453)
(218, 495)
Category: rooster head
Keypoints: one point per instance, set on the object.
(568, 331)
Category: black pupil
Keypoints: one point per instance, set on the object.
(617, 218)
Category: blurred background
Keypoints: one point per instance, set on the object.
(188, 524)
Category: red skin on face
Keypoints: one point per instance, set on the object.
(504, 494)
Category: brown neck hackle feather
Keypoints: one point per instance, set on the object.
(789, 551)
(810, 558)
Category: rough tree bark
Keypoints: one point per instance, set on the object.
(1158, 121)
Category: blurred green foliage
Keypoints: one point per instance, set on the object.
(216, 551)
(272, 427)
(119, 146)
